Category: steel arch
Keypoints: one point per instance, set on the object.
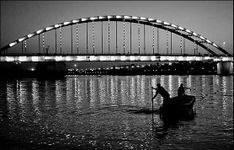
(186, 33)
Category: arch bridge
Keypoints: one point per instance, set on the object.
(112, 38)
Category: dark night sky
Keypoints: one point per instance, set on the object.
(212, 19)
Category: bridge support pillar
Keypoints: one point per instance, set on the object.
(225, 68)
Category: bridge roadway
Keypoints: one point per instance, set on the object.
(113, 58)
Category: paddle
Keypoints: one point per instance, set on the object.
(153, 99)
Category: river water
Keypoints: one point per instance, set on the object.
(92, 112)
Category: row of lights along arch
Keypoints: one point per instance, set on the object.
(154, 38)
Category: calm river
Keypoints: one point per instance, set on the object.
(91, 112)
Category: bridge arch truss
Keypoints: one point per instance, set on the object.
(176, 29)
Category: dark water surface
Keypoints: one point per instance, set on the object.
(90, 112)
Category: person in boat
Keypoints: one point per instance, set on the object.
(160, 90)
(181, 90)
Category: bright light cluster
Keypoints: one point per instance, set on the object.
(112, 58)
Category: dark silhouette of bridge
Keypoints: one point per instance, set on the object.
(112, 38)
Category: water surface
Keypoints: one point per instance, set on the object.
(90, 112)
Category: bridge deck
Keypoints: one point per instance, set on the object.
(103, 58)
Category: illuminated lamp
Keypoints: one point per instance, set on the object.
(171, 58)
(188, 31)
(48, 28)
(84, 19)
(173, 25)
(30, 35)
(109, 17)
(190, 58)
(93, 18)
(35, 58)
(151, 19)
(215, 45)
(75, 21)
(68, 58)
(57, 25)
(166, 23)
(158, 21)
(118, 16)
(181, 28)
(58, 58)
(202, 37)
(22, 58)
(93, 58)
(103, 58)
(144, 58)
(180, 58)
(225, 59)
(39, 31)
(208, 41)
(123, 58)
(21, 39)
(9, 59)
(127, 17)
(100, 17)
(134, 17)
(12, 44)
(81, 58)
(66, 23)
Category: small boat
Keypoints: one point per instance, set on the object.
(178, 106)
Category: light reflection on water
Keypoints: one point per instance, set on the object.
(96, 112)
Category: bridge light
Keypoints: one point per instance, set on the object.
(66, 23)
(163, 58)
(151, 19)
(127, 17)
(208, 41)
(226, 59)
(166, 23)
(123, 58)
(144, 58)
(39, 31)
(58, 58)
(180, 58)
(30, 35)
(93, 18)
(21, 39)
(132, 58)
(75, 21)
(32, 69)
(158, 21)
(84, 19)
(57, 25)
(173, 25)
(181, 28)
(188, 31)
(171, 58)
(153, 58)
(12, 44)
(118, 17)
(134, 17)
(195, 34)
(48, 28)
(109, 17)
(100, 17)
(202, 37)
(22, 58)
(190, 58)
(142, 18)
(215, 45)
(10, 59)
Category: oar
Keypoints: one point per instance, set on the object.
(152, 100)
